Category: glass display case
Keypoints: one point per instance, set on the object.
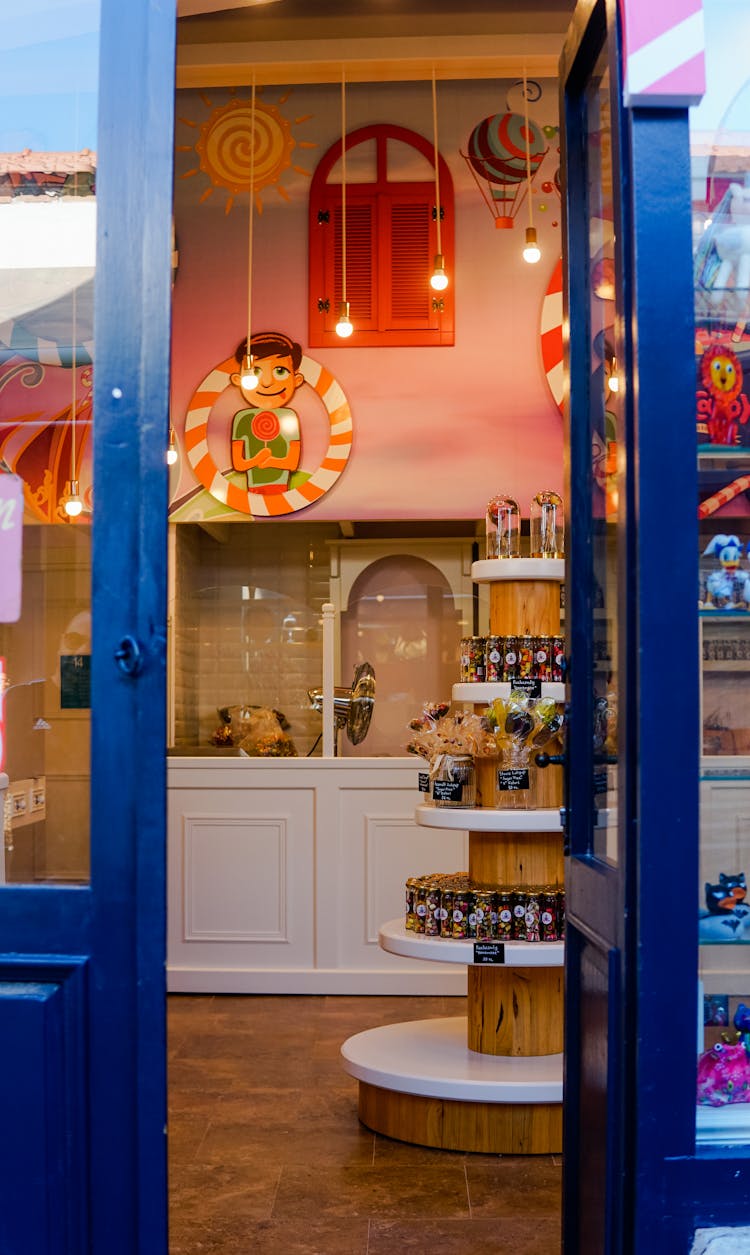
(720, 167)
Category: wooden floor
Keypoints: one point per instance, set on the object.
(267, 1156)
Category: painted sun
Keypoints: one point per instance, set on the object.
(225, 143)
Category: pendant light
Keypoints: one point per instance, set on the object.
(438, 278)
(248, 373)
(172, 448)
(344, 326)
(72, 503)
(531, 252)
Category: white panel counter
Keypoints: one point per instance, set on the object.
(281, 869)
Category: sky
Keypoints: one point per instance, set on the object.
(48, 75)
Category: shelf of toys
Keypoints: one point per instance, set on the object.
(723, 1113)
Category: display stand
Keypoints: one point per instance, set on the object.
(492, 1081)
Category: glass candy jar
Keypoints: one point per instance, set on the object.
(513, 778)
(503, 524)
(453, 780)
(547, 526)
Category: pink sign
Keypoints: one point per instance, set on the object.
(11, 536)
(2, 714)
(664, 58)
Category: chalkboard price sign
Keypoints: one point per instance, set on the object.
(512, 779)
(75, 682)
(447, 790)
(528, 685)
(489, 952)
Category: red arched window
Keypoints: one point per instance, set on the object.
(391, 241)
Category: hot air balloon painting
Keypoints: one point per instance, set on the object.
(497, 157)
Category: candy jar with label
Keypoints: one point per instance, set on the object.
(547, 526)
(503, 524)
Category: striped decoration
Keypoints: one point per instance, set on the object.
(551, 337)
(663, 52)
(17, 341)
(268, 504)
(723, 496)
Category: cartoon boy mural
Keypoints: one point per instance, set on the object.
(266, 436)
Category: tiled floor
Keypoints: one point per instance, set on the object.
(267, 1156)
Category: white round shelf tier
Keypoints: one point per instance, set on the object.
(397, 939)
(430, 1058)
(482, 692)
(488, 819)
(490, 570)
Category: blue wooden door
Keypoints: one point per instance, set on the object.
(632, 743)
(86, 134)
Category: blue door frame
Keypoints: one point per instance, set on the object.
(82, 988)
(658, 1188)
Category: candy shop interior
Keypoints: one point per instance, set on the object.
(402, 431)
(332, 494)
(368, 550)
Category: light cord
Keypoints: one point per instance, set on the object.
(528, 149)
(74, 397)
(343, 185)
(250, 218)
(437, 168)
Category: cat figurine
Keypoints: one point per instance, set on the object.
(727, 915)
(723, 897)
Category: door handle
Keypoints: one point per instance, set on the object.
(129, 656)
(549, 760)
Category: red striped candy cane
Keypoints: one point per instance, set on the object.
(712, 504)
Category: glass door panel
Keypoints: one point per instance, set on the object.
(605, 401)
(720, 170)
(48, 145)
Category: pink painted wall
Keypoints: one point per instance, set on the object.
(437, 431)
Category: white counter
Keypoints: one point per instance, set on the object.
(281, 871)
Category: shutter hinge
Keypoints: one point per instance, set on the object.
(324, 215)
(324, 305)
(434, 213)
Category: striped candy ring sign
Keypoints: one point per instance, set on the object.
(258, 503)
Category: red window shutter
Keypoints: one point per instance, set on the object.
(391, 240)
(410, 292)
(360, 250)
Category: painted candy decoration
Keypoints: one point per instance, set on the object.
(724, 1070)
(497, 154)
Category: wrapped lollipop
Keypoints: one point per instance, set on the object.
(550, 722)
(522, 724)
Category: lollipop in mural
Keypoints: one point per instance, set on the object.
(497, 157)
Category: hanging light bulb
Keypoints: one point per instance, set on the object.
(613, 381)
(439, 277)
(344, 326)
(171, 448)
(249, 373)
(531, 251)
(72, 503)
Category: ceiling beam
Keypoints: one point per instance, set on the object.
(377, 60)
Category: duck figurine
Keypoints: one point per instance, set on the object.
(727, 588)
